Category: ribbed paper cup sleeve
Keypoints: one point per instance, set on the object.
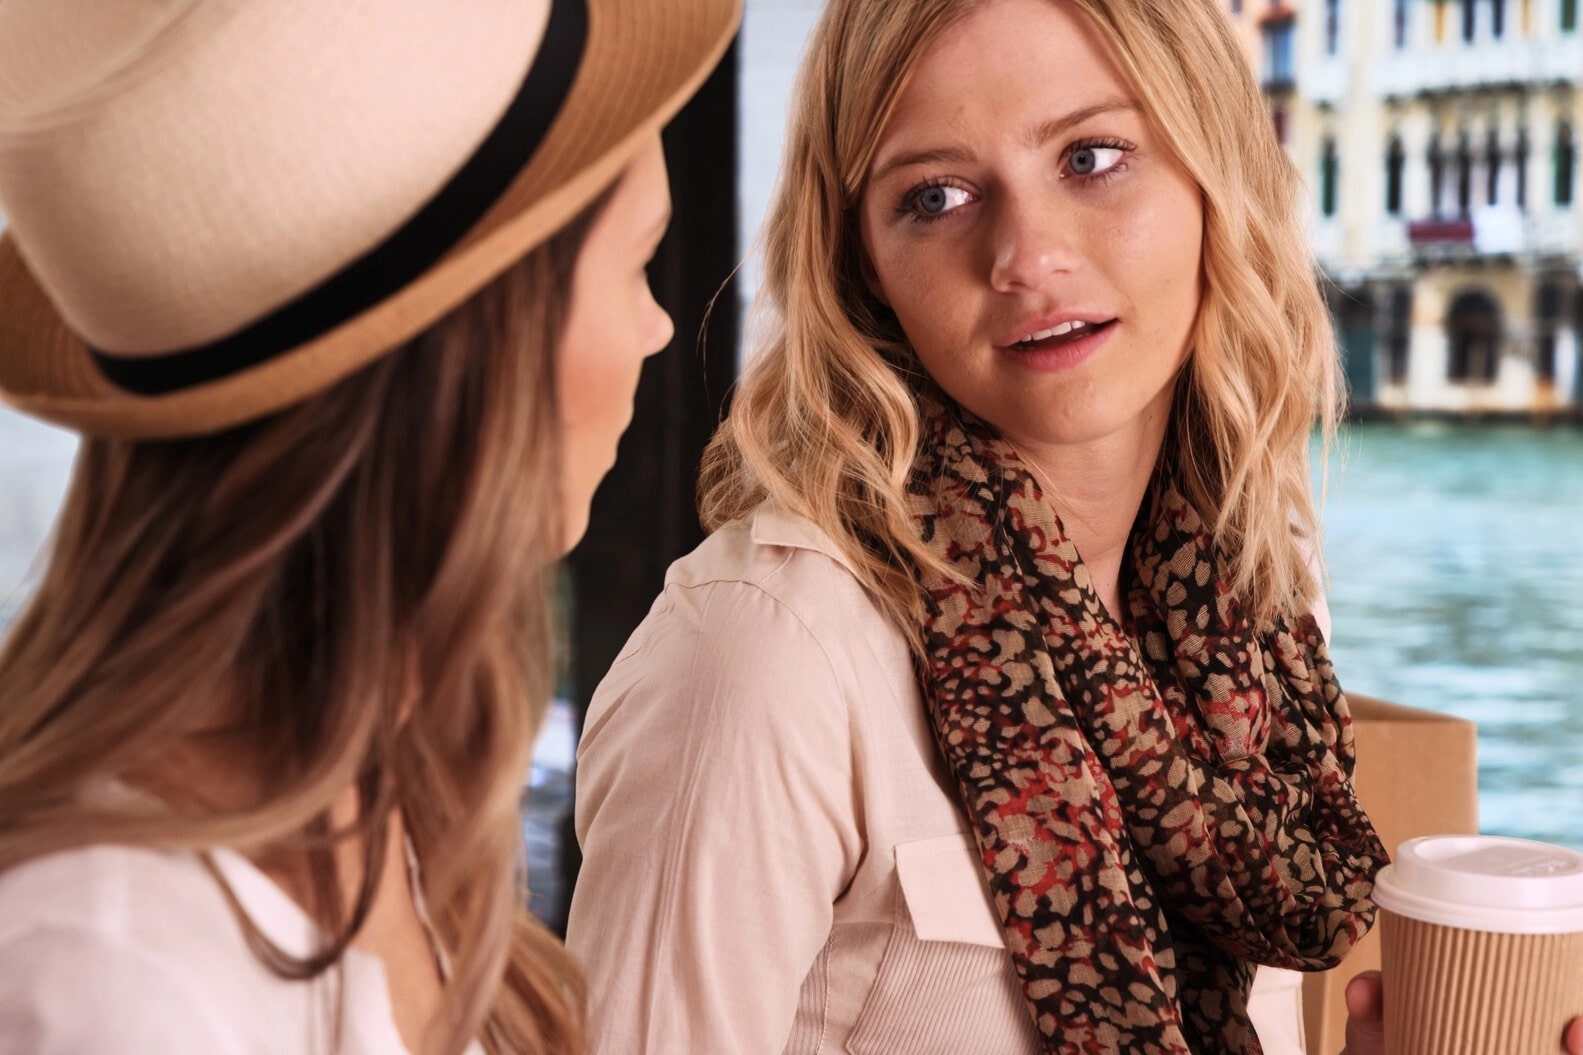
(1454, 991)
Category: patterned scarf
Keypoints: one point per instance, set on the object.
(1158, 806)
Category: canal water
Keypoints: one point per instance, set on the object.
(1456, 563)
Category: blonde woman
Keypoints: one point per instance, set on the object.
(348, 302)
(995, 716)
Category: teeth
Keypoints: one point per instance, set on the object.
(1058, 331)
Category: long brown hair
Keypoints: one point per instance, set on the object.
(825, 422)
(359, 582)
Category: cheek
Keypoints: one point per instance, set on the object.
(1158, 262)
(602, 357)
(600, 363)
(927, 286)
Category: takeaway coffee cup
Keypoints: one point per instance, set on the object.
(1481, 945)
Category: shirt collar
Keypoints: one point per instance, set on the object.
(772, 525)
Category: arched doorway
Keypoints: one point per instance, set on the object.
(1353, 315)
(1473, 330)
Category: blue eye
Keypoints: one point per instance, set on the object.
(934, 201)
(1095, 159)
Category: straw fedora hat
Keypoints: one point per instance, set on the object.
(217, 208)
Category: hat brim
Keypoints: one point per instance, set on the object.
(639, 69)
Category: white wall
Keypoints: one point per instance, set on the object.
(34, 462)
(774, 33)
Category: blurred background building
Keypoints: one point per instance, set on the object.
(1440, 140)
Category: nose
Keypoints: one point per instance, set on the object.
(664, 332)
(1031, 243)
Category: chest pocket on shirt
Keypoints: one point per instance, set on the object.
(946, 984)
(943, 887)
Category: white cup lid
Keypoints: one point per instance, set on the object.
(1485, 882)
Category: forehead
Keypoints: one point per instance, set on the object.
(1007, 59)
(644, 186)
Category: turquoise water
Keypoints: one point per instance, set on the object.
(1456, 562)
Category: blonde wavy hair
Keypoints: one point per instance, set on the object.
(360, 582)
(825, 422)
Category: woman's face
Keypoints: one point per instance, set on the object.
(613, 325)
(1035, 238)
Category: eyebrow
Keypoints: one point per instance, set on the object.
(1061, 125)
(1041, 135)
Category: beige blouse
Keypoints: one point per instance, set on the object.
(774, 857)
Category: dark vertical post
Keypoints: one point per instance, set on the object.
(645, 516)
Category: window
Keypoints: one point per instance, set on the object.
(1547, 315)
(1498, 18)
(1474, 329)
(1332, 26)
(1545, 348)
(1469, 20)
(1437, 176)
(1520, 157)
(1278, 54)
(1464, 176)
(1569, 16)
(1398, 333)
(1492, 168)
(1329, 166)
(1399, 24)
(1565, 163)
(1395, 161)
(1440, 21)
(1528, 18)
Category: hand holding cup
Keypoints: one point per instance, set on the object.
(1366, 1019)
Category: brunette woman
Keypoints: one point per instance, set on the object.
(996, 714)
(348, 302)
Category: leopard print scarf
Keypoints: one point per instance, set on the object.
(1158, 808)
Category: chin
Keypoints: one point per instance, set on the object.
(574, 527)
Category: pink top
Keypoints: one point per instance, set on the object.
(774, 859)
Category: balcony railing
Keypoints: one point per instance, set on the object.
(1460, 67)
(1387, 239)
(1449, 233)
(1324, 80)
(1559, 234)
(1328, 238)
(1499, 231)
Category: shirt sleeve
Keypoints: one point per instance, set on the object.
(716, 812)
(73, 991)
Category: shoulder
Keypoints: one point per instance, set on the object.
(763, 623)
(788, 560)
(122, 892)
(139, 932)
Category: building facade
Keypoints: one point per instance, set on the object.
(1267, 31)
(1440, 139)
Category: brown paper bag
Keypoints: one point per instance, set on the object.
(1416, 775)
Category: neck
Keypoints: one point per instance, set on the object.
(1097, 487)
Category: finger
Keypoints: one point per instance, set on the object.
(1366, 998)
(1574, 1037)
(1365, 1015)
